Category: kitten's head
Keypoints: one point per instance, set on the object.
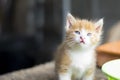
(83, 33)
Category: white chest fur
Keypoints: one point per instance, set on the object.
(81, 60)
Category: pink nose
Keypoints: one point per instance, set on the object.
(82, 40)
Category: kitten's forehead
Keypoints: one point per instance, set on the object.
(84, 24)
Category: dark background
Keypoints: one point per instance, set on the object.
(31, 30)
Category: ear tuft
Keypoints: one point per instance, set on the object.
(70, 20)
(99, 25)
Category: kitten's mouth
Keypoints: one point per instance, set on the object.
(82, 41)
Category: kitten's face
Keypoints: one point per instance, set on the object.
(83, 33)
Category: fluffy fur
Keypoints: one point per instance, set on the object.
(75, 57)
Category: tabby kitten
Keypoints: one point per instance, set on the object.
(76, 59)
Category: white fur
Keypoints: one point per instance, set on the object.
(81, 61)
(83, 56)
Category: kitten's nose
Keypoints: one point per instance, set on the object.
(82, 40)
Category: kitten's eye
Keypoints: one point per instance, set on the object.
(78, 32)
(89, 34)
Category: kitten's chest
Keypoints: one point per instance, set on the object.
(82, 59)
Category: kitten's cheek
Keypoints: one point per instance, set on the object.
(89, 43)
(77, 39)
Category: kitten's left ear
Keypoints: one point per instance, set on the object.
(99, 25)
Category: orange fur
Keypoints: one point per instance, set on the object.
(62, 61)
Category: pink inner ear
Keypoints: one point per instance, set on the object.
(69, 22)
(98, 29)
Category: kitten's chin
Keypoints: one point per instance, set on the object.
(84, 46)
(81, 45)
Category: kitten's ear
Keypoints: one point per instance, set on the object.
(70, 20)
(99, 25)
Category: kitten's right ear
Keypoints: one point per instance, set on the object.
(70, 20)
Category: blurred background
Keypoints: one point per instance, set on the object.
(31, 30)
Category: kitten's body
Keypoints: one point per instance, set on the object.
(76, 55)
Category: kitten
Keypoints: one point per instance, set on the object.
(76, 59)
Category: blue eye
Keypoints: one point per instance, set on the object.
(89, 34)
(77, 32)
